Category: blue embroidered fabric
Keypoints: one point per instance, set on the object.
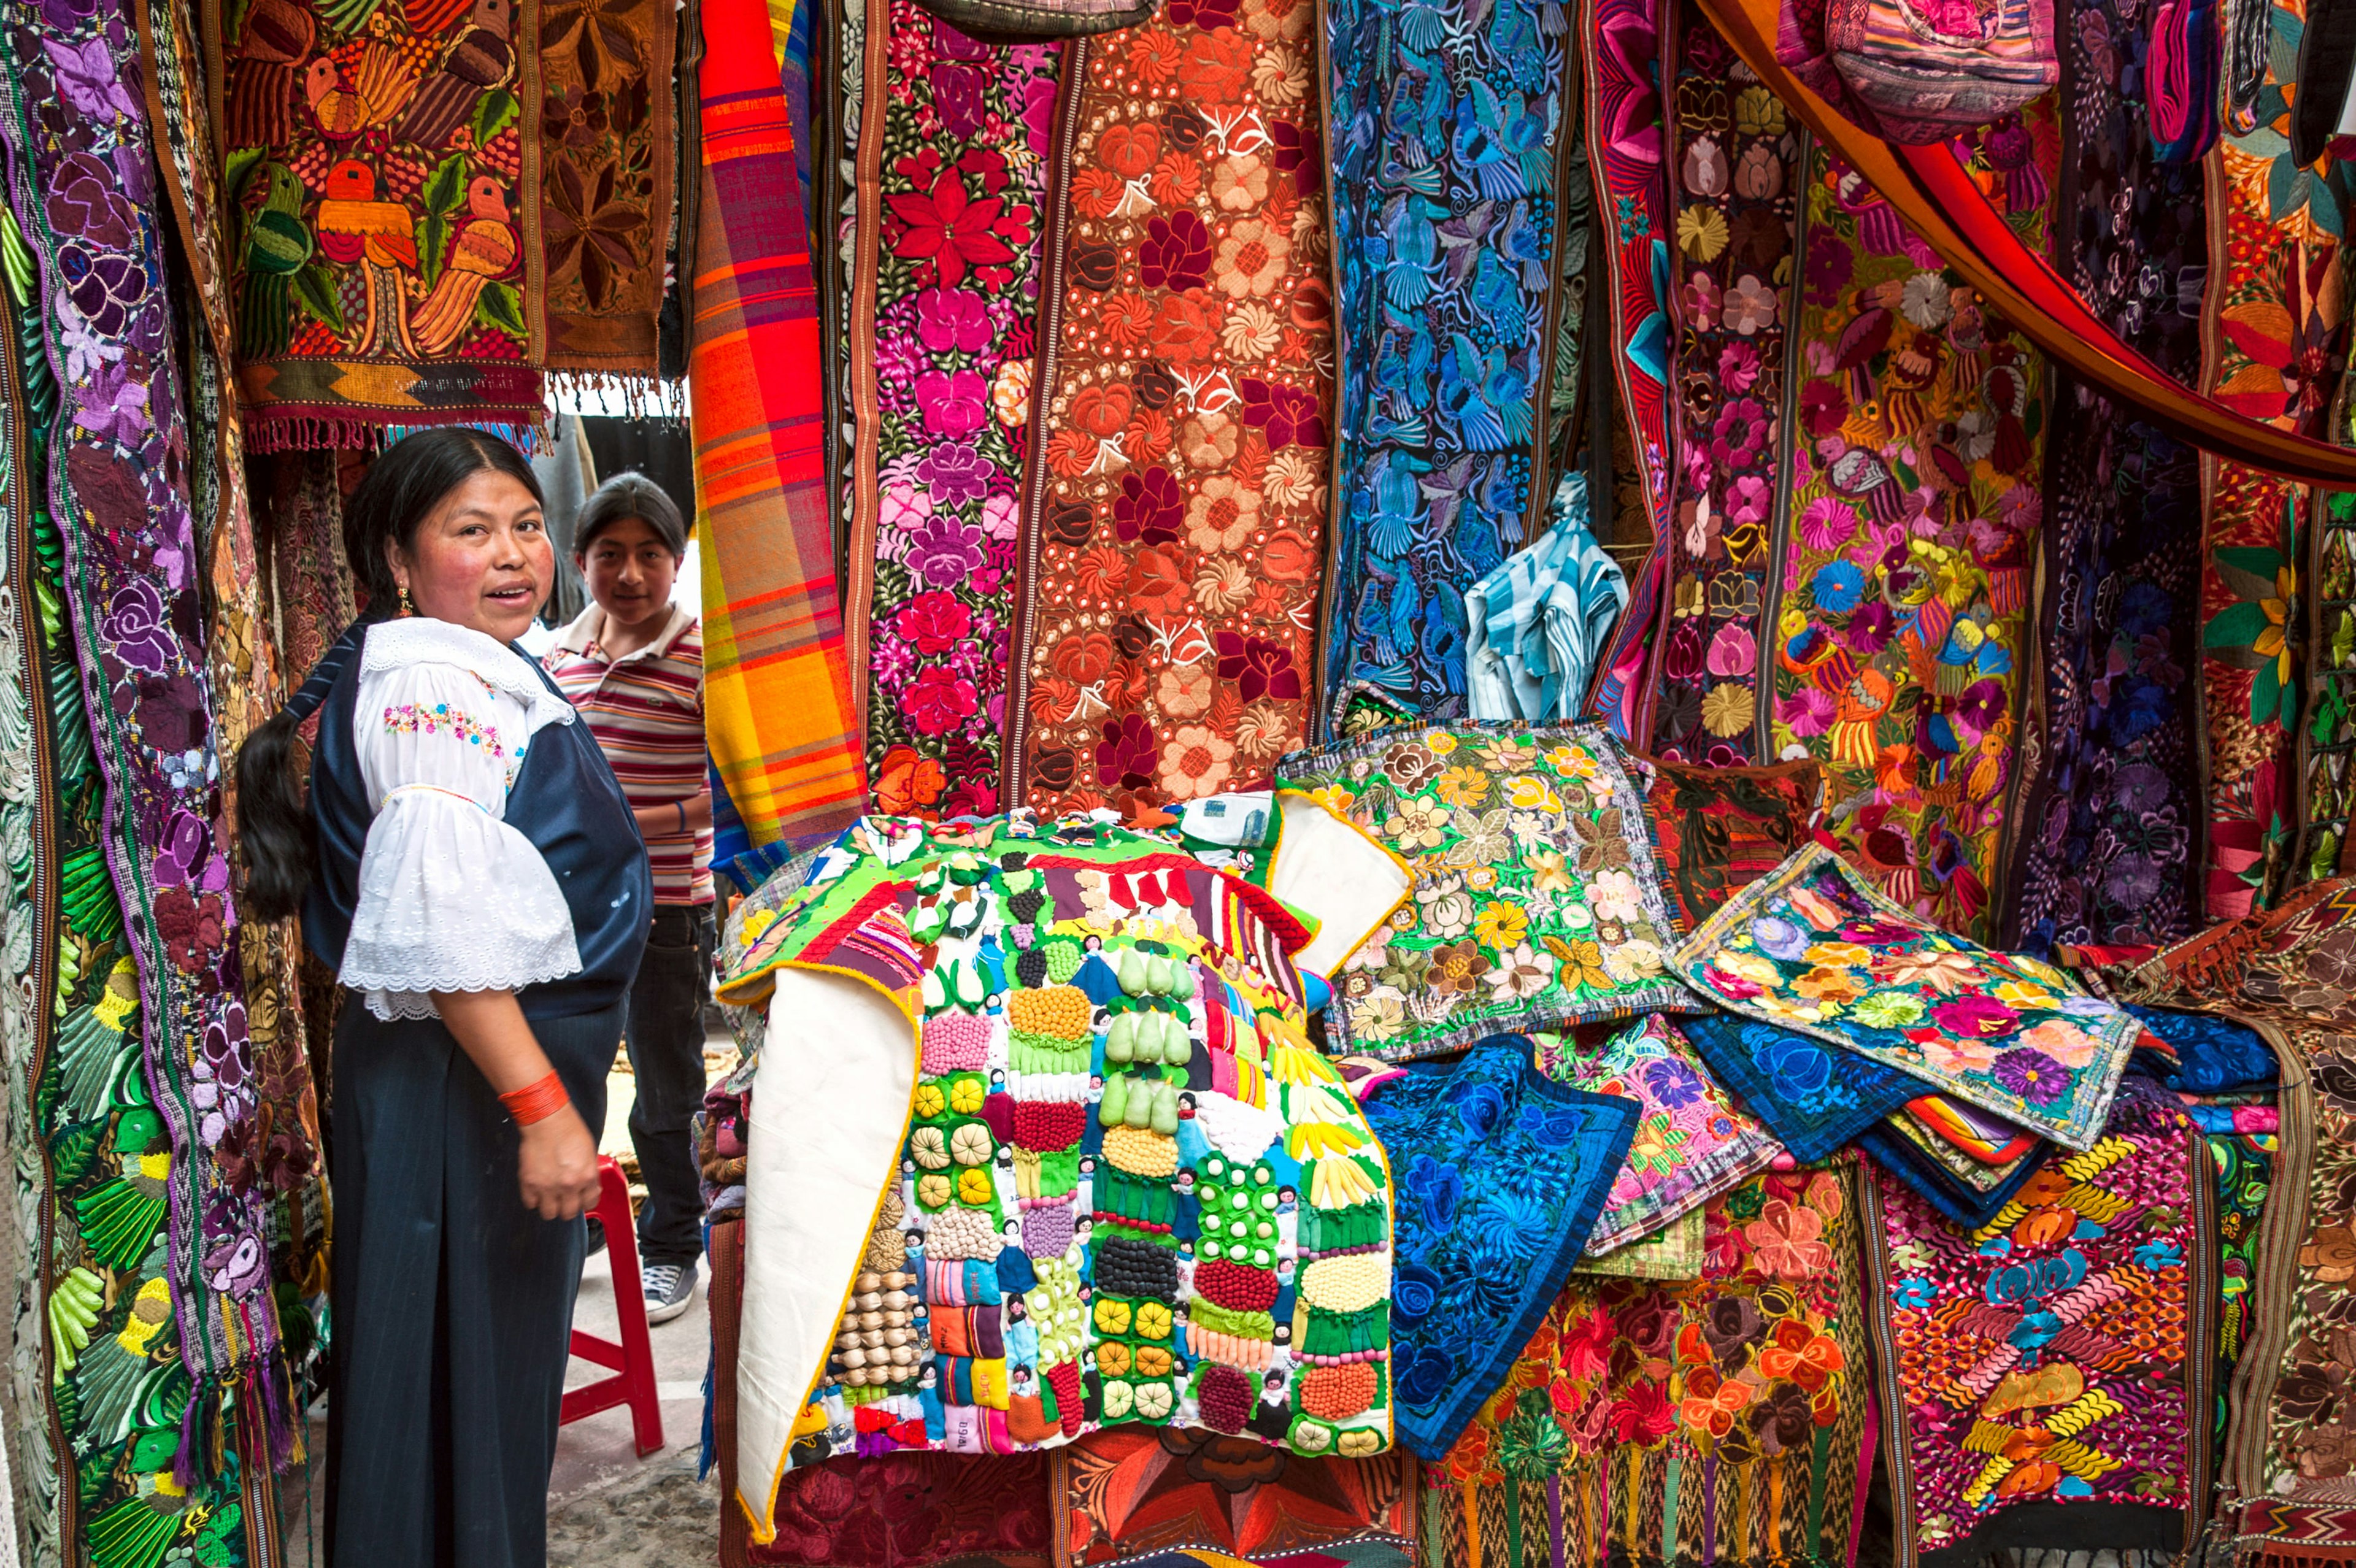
(2213, 1055)
(1813, 1096)
(1446, 120)
(1962, 1204)
(1500, 1173)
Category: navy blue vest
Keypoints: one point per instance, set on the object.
(565, 800)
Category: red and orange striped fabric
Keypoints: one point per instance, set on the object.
(778, 712)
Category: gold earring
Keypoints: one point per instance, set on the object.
(406, 607)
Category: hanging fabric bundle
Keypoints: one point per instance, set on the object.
(1535, 626)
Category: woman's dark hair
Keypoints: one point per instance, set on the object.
(622, 497)
(276, 834)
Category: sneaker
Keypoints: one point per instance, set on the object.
(668, 1289)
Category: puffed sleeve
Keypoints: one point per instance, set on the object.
(452, 897)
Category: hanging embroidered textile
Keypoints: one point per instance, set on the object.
(240, 649)
(605, 166)
(1137, 1493)
(30, 560)
(1814, 1097)
(1814, 948)
(1448, 152)
(951, 188)
(1569, 424)
(2290, 1453)
(1900, 617)
(2056, 1358)
(1624, 116)
(2108, 843)
(1735, 161)
(2243, 1154)
(1661, 1424)
(118, 495)
(778, 716)
(1174, 532)
(1692, 1142)
(1502, 1170)
(310, 584)
(2273, 325)
(385, 269)
(1722, 828)
(1025, 1010)
(1537, 903)
(2327, 738)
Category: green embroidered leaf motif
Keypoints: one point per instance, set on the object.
(503, 307)
(433, 244)
(235, 167)
(494, 114)
(445, 187)
(317, 289)
(2235, 626)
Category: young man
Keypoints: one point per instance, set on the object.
(632, 664)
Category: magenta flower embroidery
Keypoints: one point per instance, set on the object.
(1972, 1017)
(952, 318)
(1125, 755)
(954, 402)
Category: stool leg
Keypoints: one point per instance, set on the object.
(630, 1305)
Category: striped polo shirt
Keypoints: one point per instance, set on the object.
(646, 711)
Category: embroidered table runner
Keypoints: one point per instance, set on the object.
(1174, 528)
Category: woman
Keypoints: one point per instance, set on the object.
(632, 663)
(466, 882)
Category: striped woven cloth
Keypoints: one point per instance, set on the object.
(778, 710)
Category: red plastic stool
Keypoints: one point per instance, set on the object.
(633, 1361)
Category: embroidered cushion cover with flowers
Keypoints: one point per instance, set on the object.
(1538, 900)
(1129, 1190)
(1743, 1395)
(1812, 947)
(1501, 1172)
(2047, 1358)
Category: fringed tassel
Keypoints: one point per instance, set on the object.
(267, 433)
(203, 1431)
(640, 396)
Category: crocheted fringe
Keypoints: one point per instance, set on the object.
(269, 433)
(274, 433)
(641, 396)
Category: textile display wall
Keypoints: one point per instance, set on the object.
(1498, 782)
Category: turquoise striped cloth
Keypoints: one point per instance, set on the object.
(1539, 622)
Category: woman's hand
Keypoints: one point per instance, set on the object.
(558, 1166)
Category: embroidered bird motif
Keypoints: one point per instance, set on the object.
(484, 247)
(355, 225)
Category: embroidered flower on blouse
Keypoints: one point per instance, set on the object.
(421, 719)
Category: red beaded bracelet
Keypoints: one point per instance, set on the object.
(536, 1101)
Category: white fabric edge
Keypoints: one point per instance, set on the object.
(421, 639)
(830, 1103)
(1326, 867)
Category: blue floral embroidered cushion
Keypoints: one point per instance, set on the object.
(2213, 1055)
(1501, 1172)
(1813, 1096)
(1812, 946)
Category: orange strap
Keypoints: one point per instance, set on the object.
(536, 1101)
(1933, 193)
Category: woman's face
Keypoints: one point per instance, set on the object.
(481, 558)
(628, 570)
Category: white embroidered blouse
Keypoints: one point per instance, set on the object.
(452, 897)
